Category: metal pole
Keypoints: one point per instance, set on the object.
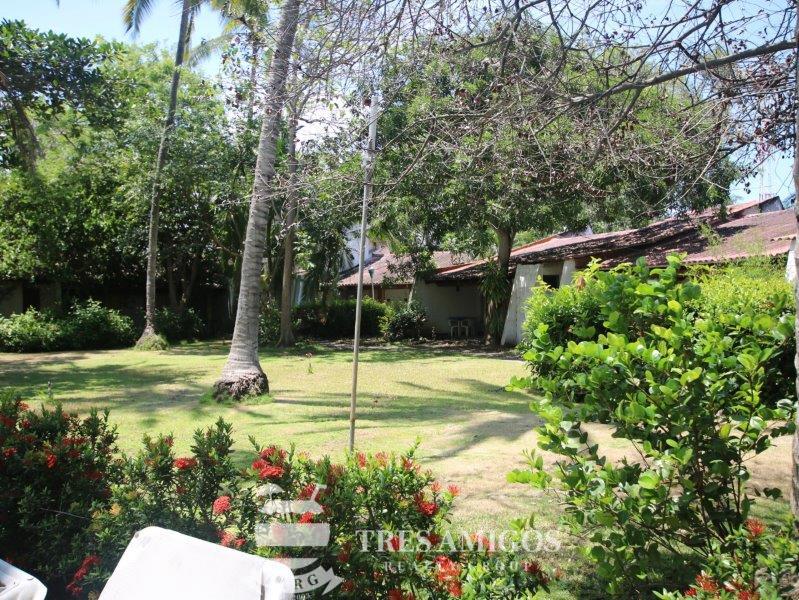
(368, 170)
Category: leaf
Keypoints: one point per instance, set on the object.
(649, 480)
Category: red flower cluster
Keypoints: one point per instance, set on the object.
(448, 573)
(306, 518)
(381, 458)
(427, 508)
(394, 543)
(755, 527)
(706, 584)
(483, 543)
(274, 454)
(408, 464)
(267, 471)
(221, 505)
(50, 460)
(361, 459)
(397, 594)
(74, 587)
(9, 422)
(228, 540)
(184, 463)
(453, 489)
(434, 539)
(344, 553)
(9, 452)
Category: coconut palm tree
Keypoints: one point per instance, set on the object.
(242, 373)
(133, 14)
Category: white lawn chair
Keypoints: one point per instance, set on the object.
(19, 585)
(160, 564)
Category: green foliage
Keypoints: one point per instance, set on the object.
(55, 468)
(269, 325)
(87, 325)
(44, 74)
(337, 320)
(755, 562)
(406, 321)
(688, 391)
(178, 325)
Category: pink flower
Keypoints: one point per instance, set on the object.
(221, 505)
(271, 472)
(453, 489)
(228, 540)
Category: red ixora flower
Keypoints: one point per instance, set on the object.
(446, 569)
(271, 472)
(306, 518)
(435, 487)
(50, 460)
(221, 505)
(453, 489)
(428, 509)
(228, 540)
(273, 453)
(184, 463)
(394, 543)
(755, 527)
(454, 589)
(9, 452)
(348, 586)
(434, 539)
(88, 562)
(398, 594)
(381, 458)
(9, 422)
(690, 592)
(706, 584)
(361, 459)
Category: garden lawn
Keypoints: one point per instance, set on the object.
(472, 431)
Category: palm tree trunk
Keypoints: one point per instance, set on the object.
(169, 122)
(286, 333)
(242, 373)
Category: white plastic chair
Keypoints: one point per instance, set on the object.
(160, 564)
(16, 584)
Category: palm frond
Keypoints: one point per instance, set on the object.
(134, 13)
(206, 48)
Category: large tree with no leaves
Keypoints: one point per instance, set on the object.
(242, 373)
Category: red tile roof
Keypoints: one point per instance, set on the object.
(736, 236)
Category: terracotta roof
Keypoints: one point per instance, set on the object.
(737, 236)
(386, 265)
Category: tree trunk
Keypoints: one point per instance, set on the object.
(286, 333)
(498, 306)
(242, 373)
(169, 122)
(795, 462)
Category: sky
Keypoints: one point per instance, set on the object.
(90, 18)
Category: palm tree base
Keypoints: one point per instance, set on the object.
(150, 340)
(239, 384)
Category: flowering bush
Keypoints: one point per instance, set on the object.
(756, 562)
(690, 393)
(54, 469)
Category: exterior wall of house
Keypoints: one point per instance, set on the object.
(10, 298)
(443, 302)
(524, 281)
(396, 294)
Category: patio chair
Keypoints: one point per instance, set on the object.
(160, 564)
(454, 327)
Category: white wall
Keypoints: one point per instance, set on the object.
(524, 281)
(443, 302)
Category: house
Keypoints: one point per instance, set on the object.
(758, 228)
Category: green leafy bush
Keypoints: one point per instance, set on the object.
(31, 331)
(55, 468)
(179, 325)
(408, 320)
(269, 325)
(87, 325)
(337, 320)
(688, 391)
(90, 326)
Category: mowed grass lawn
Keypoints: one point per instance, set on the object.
(472, 431)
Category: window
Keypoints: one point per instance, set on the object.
(552, 281)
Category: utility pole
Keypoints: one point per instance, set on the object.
(368, 170)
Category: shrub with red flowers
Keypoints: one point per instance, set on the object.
(55, 469)
(757, 562)
(388, 536)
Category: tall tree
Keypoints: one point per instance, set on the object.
(134, 12)
(242, 373)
